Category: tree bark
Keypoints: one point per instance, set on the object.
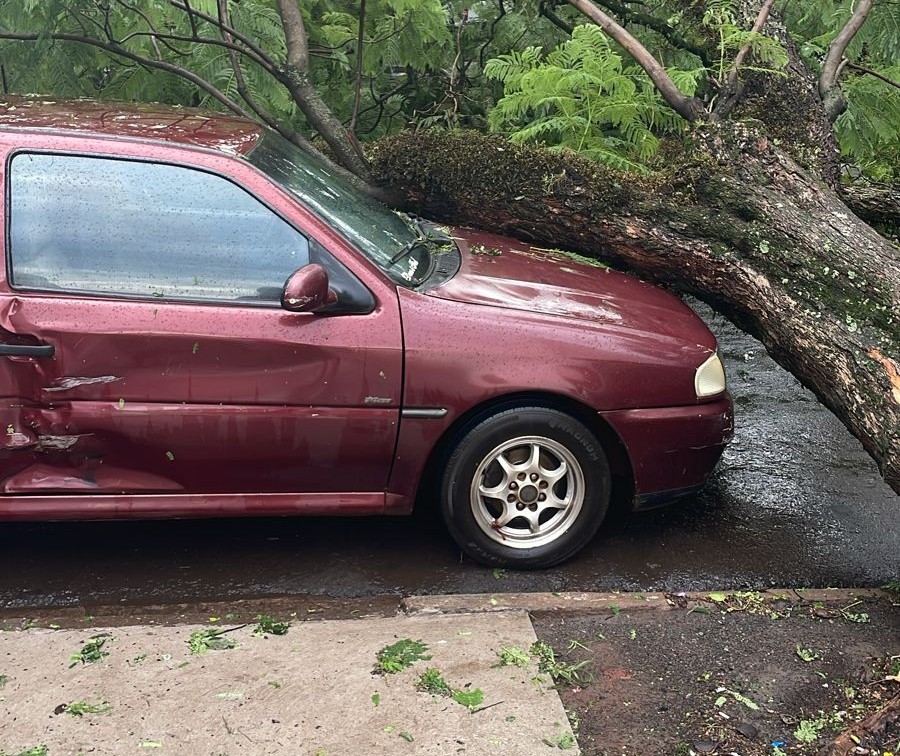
(845, 745)
(735, 221)
(296, 78)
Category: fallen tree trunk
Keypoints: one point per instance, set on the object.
(874, 203)
(872, 726)
(734, 221)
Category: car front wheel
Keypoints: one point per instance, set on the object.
(525, 488)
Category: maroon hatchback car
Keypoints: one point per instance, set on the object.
(196, 319)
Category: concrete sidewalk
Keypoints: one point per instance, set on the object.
(309, 692)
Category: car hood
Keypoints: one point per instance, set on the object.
(497, 271)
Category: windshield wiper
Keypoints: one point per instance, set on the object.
(410, 245)
(423, 234)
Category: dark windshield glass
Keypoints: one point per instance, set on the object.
(376, 230)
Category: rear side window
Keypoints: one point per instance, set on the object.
(100, 225)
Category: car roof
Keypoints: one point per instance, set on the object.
(165, 123)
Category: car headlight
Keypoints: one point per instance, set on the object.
(709, 379)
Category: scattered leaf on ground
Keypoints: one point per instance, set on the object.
(400, 655)
(808, 730)
(431, 681)
(740, 698)
(512, 656)
(209, 639)
(471, 699)
(266, 625)
(559, 671)
(92, 651)
(80, 708)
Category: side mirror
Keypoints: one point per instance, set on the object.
(306, 290)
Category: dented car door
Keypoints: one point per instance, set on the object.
(143, 348)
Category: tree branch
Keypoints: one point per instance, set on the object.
(295, 76)
(829, 91)
(154, 34)
(115, 49)
(689, 108)
(658, 25)
(240, 83)
(360, 41)
(257, 51)
(551, 15)
(294, 35)
(731, 89)
(262, 114)
(863, 69)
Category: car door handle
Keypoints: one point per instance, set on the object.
(27, 350)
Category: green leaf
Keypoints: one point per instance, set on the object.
(400, 655)
(469, 698)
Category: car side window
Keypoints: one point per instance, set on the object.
(110, 226)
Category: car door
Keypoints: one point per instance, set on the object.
(144, 348)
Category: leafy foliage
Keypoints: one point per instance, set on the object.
(398, 656)
(266, 625)
(209, 639)
(581, 96)
(558, 670)
(432, 681)
(80, 708)
(498, 65)
(868, 131)
(720, 17)
(92, 651)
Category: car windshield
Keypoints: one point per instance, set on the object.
(392, 240)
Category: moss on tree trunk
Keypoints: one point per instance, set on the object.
(734, 220)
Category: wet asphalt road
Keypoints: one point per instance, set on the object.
(795, 502)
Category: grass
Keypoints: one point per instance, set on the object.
(3, 680)
(399, 656)
(92, 651)
(209, 639)
(40, 750)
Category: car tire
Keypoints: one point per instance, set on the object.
(525, 488)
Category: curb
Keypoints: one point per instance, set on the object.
(575, 601)
(307, 607)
